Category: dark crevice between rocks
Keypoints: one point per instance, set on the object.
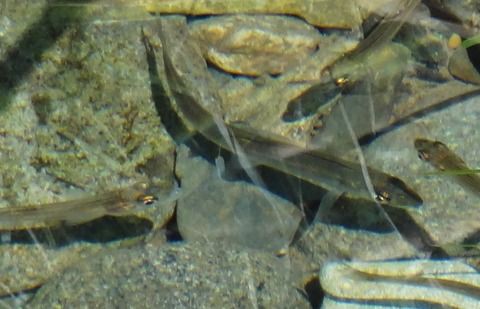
(103, 230)
(439, 10)
(473, 238)
(474, 56)
(313, 292)
(172, 232)
(178, 179)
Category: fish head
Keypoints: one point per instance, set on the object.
(429, 150)
(393, 192)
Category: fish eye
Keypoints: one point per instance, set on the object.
(342, 81)
(422, 155)
(148, 199)
(383, 196)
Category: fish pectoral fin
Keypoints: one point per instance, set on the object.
(328, 201)
(220, 167)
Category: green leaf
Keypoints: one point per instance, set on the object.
(474, 40)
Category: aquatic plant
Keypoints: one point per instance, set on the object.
(474, 40)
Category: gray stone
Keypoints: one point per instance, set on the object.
(81, 120)
(255, 44)
(321, 13)
(196, 275)
(236, 213)
(449, 213)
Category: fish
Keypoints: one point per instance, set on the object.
(323, 169)
(386, 30)
(319, 168)
(351, 68)
(119, 202)
(355, 67)
(443, 159)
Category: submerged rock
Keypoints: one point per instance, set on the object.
(196, 275)
(82, 119)
(26, 267)
(325, 242)
(255, 45)
(235, 213)
(321, 13)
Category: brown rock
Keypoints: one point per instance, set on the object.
(255, 45)
(321, 13)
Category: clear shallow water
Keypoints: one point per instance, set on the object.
(86, 109)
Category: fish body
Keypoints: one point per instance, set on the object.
(374, 55)
(442, 158)
(323, 169)
(71, 212)
(351, 68)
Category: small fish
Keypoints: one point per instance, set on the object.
(113, 203)
(323, 169)
(443, 159)
(341, 70)
(355, 66)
